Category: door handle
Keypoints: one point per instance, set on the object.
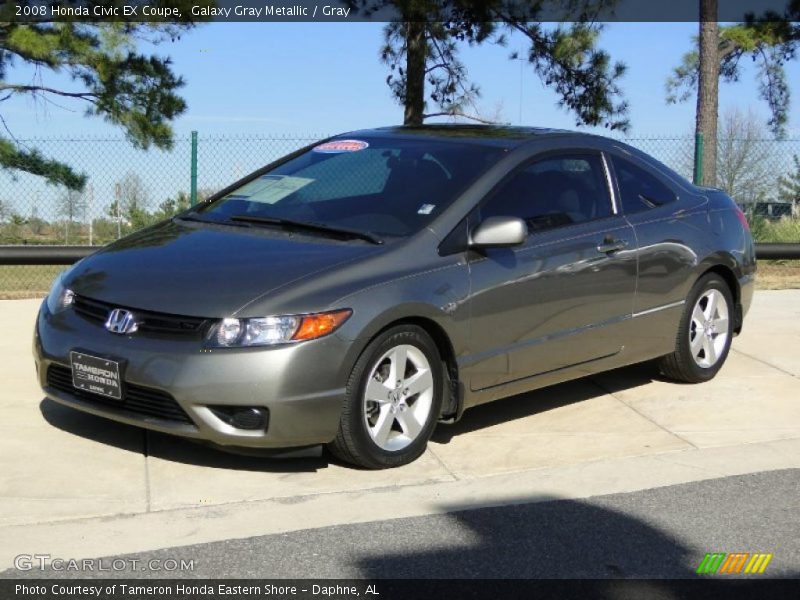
(610, 245)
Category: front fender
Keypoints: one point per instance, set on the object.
(438, 296)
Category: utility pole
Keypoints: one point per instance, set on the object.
(118, 201)
(88, 208)
(68, 219)
(193, 181)
(521, 71)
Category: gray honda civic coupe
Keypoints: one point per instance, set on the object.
(363, 289)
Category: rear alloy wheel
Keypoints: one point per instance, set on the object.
(393, 400)
(705, 333)
(709, 328)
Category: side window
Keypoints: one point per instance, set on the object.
(552, 192)
(639, 190)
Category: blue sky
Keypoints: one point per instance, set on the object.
(290, 78)
(307, 80)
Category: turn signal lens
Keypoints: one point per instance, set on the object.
(314, 326)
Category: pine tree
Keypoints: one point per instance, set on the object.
(769, 40)
(421, 50)
(135, 91)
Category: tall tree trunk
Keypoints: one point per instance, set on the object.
(416, 49)
(708, 90)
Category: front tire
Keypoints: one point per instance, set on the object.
(704, 334)
(393, 400)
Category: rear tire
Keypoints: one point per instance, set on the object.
(393, 400)
(704, 333)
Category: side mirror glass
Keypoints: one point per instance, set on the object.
(499, 232)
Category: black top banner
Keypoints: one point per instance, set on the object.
(345, 11)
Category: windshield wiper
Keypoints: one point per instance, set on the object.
(193, 217)
(320, 227)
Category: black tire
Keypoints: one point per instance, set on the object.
(681, 365)
(353, 443)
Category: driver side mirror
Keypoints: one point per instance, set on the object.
(499, 232)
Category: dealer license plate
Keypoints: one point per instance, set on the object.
(96, 375)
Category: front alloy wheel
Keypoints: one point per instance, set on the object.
(398, 397)
(393, 400)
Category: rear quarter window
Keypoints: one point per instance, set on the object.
(639, 189)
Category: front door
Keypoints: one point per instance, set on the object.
(560, 299)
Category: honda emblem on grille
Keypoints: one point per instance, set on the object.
(121, 321)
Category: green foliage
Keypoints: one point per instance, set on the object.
(72, 227)
(172, 206)
(769, 41)
(564, 56)
(783, 230)
(139, 218)
(789, 184)
(15, 158)
(584, 77)
(445, 74)
(129, 89)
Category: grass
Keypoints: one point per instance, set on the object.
(777, 274)
(27, 281)
(783, 230)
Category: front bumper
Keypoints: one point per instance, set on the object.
(301, 385)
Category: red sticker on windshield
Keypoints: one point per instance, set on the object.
(335, 146)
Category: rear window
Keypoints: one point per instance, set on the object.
(639, 189)
(384, 186)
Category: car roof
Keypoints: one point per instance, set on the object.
(494, 135)
(507, 137)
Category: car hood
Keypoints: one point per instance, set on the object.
(198, 269)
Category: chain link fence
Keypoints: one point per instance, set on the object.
(128, 189)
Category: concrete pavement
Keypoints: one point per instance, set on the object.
(79, 486)
(661, 533)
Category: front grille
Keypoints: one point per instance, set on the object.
(149, 321)
(136, 399)
(90, 309)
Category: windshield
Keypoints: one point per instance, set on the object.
(385, 186)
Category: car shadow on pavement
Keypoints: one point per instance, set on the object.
(541, 537)
(656, 539)
(177, 449)
(548, 398)
(167, 447)
(592, 540)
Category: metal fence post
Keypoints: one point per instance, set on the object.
(698, 159)
(193, 197)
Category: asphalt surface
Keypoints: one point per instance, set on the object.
(656, 533)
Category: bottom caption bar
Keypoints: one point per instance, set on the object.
(386, 589)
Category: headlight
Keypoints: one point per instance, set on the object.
(268, 331)
(59, 297)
